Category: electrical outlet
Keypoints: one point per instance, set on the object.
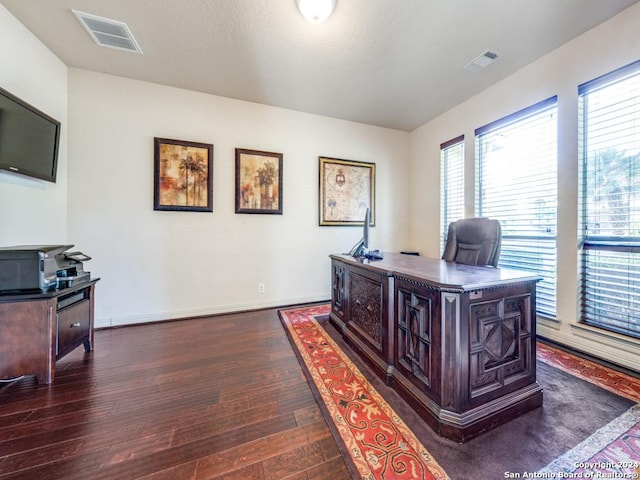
(261, 288)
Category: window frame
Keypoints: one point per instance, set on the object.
(446, 208)
(547, 244)
(599, 253)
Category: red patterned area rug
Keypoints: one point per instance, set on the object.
(376, 443)
(607, 378)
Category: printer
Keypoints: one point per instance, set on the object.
(40, 267)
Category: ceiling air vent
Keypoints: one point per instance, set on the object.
(481, 61)
(108, 33)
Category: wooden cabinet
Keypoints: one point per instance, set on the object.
(38, 329)
(74, 321)
(457, 342)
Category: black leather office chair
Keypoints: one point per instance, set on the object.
(474, 241)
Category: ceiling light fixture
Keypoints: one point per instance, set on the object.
(316, 11)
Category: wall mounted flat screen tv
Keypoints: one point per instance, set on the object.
(29, 139)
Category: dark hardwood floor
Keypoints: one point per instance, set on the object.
(218, 398)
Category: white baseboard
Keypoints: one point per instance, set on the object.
(617, 349)
(200, 312)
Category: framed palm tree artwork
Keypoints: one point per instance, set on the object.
(258, 182)
(183, 175)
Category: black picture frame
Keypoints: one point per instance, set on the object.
(183, 175)
(258, 182)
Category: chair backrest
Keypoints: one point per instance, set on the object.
(474, 241)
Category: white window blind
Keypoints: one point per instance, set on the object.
(451, 185)
(610, 147)
(516, 183)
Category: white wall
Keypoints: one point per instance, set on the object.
(156, 264)
(610, 45)
(33, 211)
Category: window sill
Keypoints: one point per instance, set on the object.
(610, 339)
(548, 322)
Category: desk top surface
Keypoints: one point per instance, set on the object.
(13, 296)
(449, 275)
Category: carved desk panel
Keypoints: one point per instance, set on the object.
(360, 310)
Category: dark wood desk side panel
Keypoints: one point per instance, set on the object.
(454, 406)
(417, 337)
(501, 343)
(27, 347)
(338, 293)
(366, 305)
(360, 310)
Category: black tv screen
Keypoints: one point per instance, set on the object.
(29, 139)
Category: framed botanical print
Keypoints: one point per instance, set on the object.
(258, 182)
(183, 175)
(347, 189)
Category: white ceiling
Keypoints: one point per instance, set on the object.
(392, 63)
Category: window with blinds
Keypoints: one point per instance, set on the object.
(516, 183)
(610, 150)
(451, 185)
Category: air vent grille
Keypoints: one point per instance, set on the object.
(482, 61)
(108, 33)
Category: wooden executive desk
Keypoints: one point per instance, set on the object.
(457, 342)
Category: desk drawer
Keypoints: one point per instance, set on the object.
(74, 323)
